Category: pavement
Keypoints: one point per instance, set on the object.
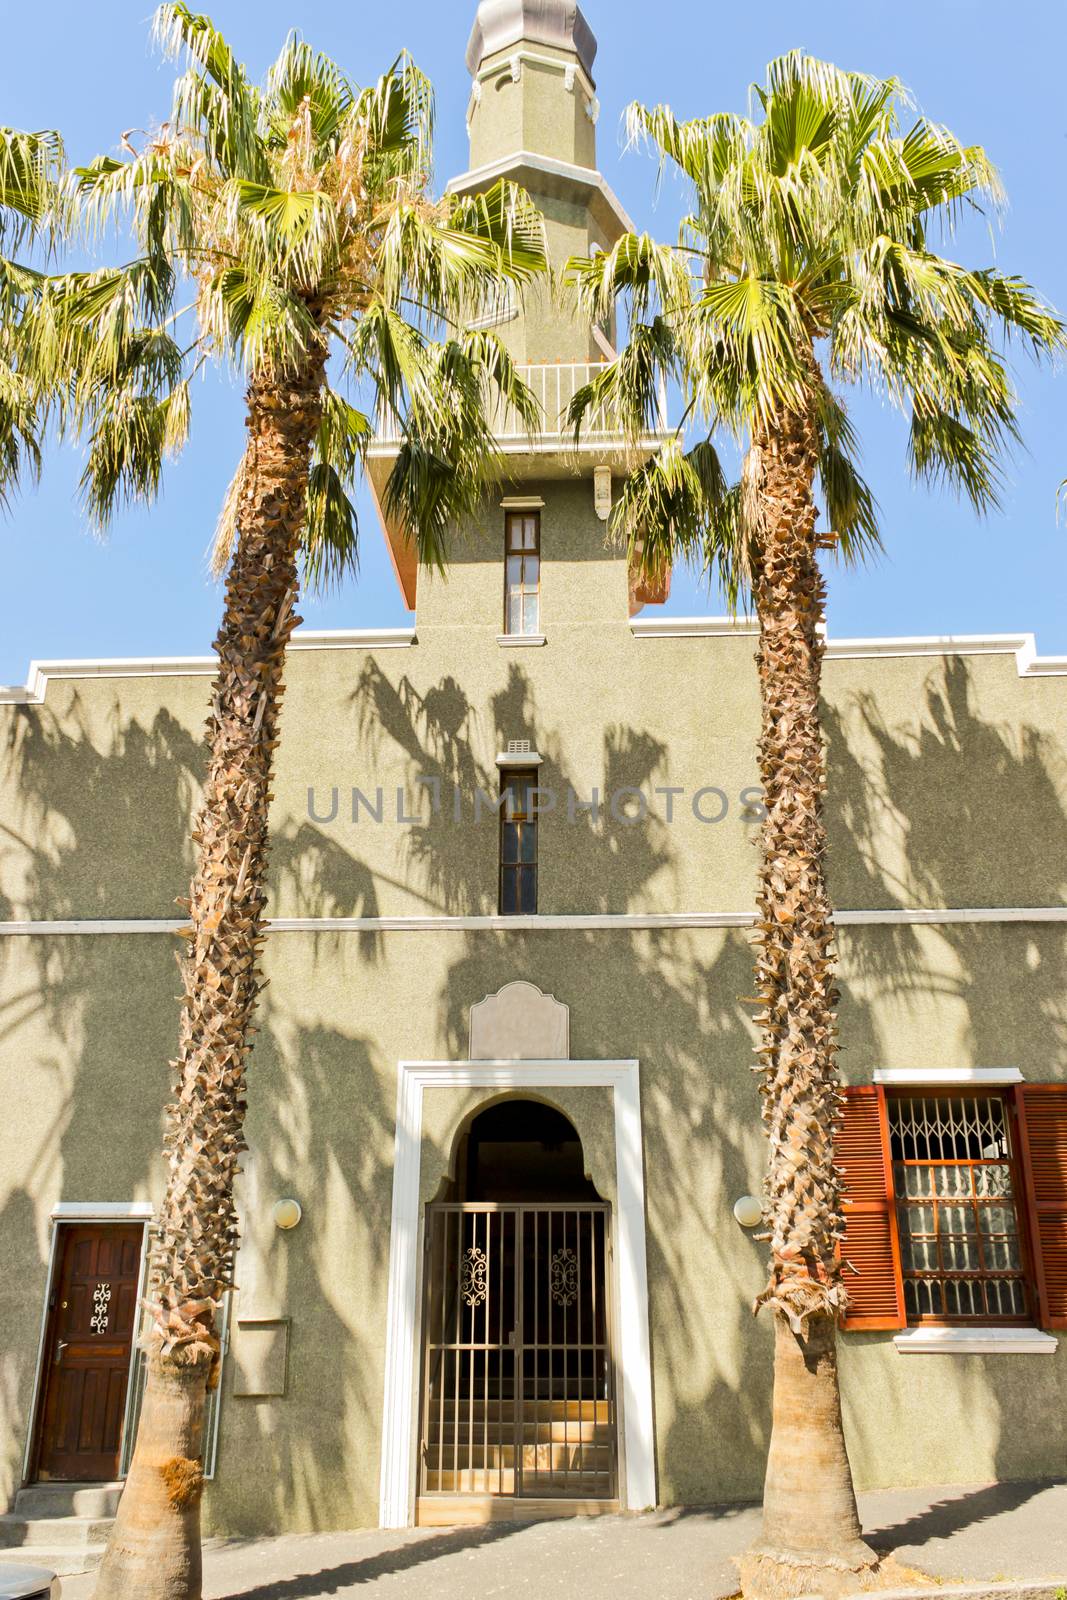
(987, 1534)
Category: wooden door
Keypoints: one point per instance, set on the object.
(93, 1314)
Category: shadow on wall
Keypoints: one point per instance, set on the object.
(88, 1024)
(91, 1023)
(948, 810)
(601, 864)
(321, 1124)
(703, 1144)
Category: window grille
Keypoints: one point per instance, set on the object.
(522, 574)
(518, 845)
(960, 1246)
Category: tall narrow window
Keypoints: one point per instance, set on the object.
(518, 845)
(953, 1175)
(522, 573)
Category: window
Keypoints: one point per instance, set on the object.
(522, 573)
(518, 845)
(955, 1206)
(954, 1183)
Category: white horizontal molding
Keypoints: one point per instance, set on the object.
(692, 627)
(520, 641)
(934, 1077)
(41, 673)
(976, 1341)
(519, 758)
(1022, 645)
(103, 1210)
(353, 639)
(946, 916)
(589, 177)
(603, 921)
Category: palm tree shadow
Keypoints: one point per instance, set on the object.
(946, 1517)
(386, 1564)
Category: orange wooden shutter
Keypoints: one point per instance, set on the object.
(1041, 1109)
(870, 1249)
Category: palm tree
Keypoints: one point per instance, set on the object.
(806, 263)
(30, 217)
(297, 221)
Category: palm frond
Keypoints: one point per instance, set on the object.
(331, 542)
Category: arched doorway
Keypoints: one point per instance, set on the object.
(518, 1384)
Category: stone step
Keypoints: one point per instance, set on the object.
(65, 1562)
(473, 1510)
(479, 1480)
(67, 1500)
(60, 1533)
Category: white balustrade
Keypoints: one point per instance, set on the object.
(554, 385)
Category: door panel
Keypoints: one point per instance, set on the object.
(92, 1316)
(518, 1393)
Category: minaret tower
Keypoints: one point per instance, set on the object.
(532, 118)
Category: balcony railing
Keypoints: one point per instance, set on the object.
(554, 385)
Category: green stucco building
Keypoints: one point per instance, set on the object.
(504, 1061)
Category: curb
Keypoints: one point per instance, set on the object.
(1041, 1589)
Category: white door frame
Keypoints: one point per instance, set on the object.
(400, 1412)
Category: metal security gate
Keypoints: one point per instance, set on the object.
(518, 1387)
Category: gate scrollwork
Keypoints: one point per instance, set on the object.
(475, 1277)
(563, 1277)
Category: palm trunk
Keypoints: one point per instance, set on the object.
(811, 1540)
(154, 1549)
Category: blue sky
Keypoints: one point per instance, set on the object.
(993, 75)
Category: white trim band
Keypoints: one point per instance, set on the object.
(934, 1077)
(519, 759)
(589, 177)
(606, 922)
(976, 1342)
(1022, 645)
(399, 1411)
(103, 1210)
(41, 673)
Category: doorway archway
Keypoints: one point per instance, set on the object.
(518, 1413)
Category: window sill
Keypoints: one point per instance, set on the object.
(518, 640)
(976, 1341)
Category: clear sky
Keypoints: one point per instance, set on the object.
(993, 73)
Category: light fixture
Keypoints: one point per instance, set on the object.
(748, 1210)
(287, 1214)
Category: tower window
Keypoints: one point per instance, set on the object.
(522, 573)
(518, 845)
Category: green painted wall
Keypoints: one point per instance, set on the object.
(88, 1054)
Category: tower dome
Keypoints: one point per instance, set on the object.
(501, 23)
